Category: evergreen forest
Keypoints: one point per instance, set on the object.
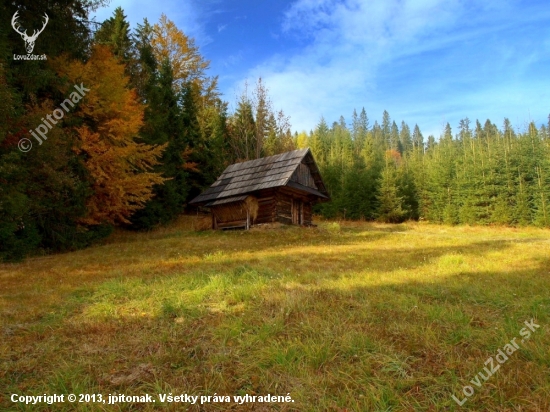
(154, 130)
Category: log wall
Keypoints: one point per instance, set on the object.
(266, 204)
(284, 205)
(287, 202)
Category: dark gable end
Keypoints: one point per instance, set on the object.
(302, 175)
(296, 169)
(307, 175)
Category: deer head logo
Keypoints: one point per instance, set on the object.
(29, 40)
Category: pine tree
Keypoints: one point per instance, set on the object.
(405, 138)
(143, 64)
(386, 130)
(319, 142)
(262, 106)
(214, 142)
(541, 186)
(272, 143)
(243, 131)
(466, 174)
(430, 143)
(164, 125)
(441, 182)
(522, 210)
(390, 204)
(418, 139)
(115, 33)
(417, 162)
(355, 125)
(394, 138)
(360, 127)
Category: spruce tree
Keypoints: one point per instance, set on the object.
(164, 124)
(405, 138)
(360, 129)
(418, 139)
(115, 33)
(390, 204)
(243, 130)
(386, 130)
(395, 143)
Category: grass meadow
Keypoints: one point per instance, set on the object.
(347, 316)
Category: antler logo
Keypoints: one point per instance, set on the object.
(29, 40)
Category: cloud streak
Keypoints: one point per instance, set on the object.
(423, 61)
(188, 16)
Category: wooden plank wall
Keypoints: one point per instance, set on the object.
(284, 208)
(274, 205)
(229, 215)
(285, 198)
(303, 176)
(266, 203)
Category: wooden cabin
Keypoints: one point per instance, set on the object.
(281, 188)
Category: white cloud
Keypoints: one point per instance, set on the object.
(425, 61)
(348, 42)
(188, 16)
(371, 26)
(358, 53)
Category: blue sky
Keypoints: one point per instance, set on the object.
(427, 62)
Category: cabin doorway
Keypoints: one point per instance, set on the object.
(297, 212)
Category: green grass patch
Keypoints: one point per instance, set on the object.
(348, 316)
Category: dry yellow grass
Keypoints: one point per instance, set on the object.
(346, 316)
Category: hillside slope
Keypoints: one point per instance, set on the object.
(342, 317)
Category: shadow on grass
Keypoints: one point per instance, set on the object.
(399, 347)
(319, 260)
(298, 320)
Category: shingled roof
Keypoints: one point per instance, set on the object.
(268, 172)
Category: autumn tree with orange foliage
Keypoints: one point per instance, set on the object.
(203, 112)
(172, 44)
(119, 166)
(164, 124)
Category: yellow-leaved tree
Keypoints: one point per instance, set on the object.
(119, 165)
(171, 44)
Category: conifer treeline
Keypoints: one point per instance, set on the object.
(152, 131)
(480, 175)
